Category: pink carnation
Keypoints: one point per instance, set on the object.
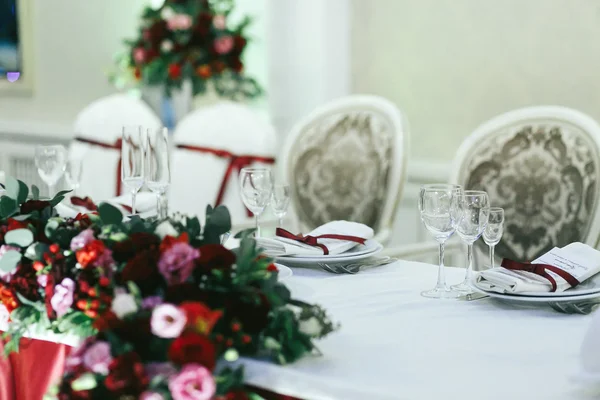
(83, 238)
(62, 299)
(194, 382)
(177, 262)
(97, 358)
(219, 22)
(167, 321)
(179, 22)
(42, 280)
(224, 44)
(139, 55)
(6, 276)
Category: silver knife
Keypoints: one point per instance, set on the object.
(472, 296)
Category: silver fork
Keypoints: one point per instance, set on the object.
(354, 268)
(583, 307)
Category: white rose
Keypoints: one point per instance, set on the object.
(156, 4)
(124, 304)
(165, 229)
(311, 327)
(167, 13)
(166, 46)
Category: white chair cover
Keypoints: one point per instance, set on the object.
(197, 176)
(102, 122)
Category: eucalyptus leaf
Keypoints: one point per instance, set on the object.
(110, 214)
(35, 192)
(51, 226)
(23, 192)
(9, 261)
(19, 237)
(22, 217)
(36, 251)
(12, 188)
(8, 207)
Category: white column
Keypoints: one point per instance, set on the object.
(308, 44)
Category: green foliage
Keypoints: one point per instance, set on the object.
(110, 214)
(19, 237)
(9, 261)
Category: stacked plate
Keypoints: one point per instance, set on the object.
(357, 253)
(586, 291)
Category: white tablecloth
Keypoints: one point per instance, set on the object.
(395, 344)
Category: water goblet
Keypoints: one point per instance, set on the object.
(494, 230)
(473, 211)
(256, 188)
(132, 161)
(51, 163)
(437, 208)
(73, 174)
(158, 169)
(280, 201)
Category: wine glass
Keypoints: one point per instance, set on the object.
(493, 231)
(51, 163)
(256, 188)
(158, 169)
(280, 201)
(437, 205)
(473, 213)
(73, 174)
(132, 161)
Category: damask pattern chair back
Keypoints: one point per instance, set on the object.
(98, 129)
(542, 165)
(347, 161)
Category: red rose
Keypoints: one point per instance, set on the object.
(239, 43)
(169, 241)
(34, 205)
(24, 282)
(83, 220)
(143, 271)
(252, 313)
(107, 321)
(200, 318)
(126, 376)
(157, 32)
(215, 256)
(90, 253)
(14, 224)
(181, 292)
(193, 348)
(127, 249)
(174, 71)
(237, 65)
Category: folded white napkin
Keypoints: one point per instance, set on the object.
(578, 259)
(145, 205)
(279, 246)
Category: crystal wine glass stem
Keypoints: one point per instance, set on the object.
(281, 222)
(469, 263)
(492, 256)
(163, 211)
(256, 216)
(159, 211)
(441, 282)
(51, 189)
(133, 194)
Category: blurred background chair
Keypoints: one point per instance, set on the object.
(347, 161)
(98, 129)
(541, 164)
(211, 145)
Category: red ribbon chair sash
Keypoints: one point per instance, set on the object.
(236, 162)
(116, 146)
(313, 240)
(541, 270)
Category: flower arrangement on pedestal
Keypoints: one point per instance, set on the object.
(191, 40)
(163, 307)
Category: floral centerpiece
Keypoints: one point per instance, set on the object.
(163, 307)
(190, 40)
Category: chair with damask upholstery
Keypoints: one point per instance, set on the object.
(542, 165)
(347, 161)
(98, 129)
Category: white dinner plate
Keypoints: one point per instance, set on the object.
(360, 252)
(284, 272)
(538, 300)
(590, 286)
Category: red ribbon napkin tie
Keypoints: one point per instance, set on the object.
(313, 240)
(236, 162)
(89, 204)
(541, 270)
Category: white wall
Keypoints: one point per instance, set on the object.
(452, 64)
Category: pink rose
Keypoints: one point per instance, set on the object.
(151, 396)
(177, 263)
(83, 238)
(4, 315)
(42, 280)
(219, 22)
(194, 382)
(224, 44)
(167, 321)
(139, 55)
(97, 358)
(62, 299)
(6, 276)
(179, 22)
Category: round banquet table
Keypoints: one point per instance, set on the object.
(395, 344)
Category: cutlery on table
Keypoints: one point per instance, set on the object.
(582, 307)
(353, 268)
